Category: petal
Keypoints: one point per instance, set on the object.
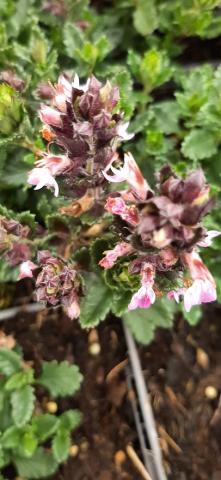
(207, 241)
(25, 270)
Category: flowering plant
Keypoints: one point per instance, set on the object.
(150, 237)
(95, 232)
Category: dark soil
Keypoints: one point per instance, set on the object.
(108, 420)
(179, 367)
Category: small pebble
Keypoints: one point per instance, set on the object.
(84, 446)
(73, 451)
(202, 358)
(93, 336)
(94, 349)
(119, 458)
(211, 392)
(52, 407)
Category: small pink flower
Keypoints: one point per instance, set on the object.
(145, 296)
(111, 256)
(65, 86)
(130, 173)
(50, 116)
(123, 133)
(207, 241)
(71, 305)
(41, 177)
(201, 291)
(196, 267)
(57, 164)
(117, 206)
(175, 294)
(26, 269)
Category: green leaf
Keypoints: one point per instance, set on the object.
(17, 20)
(199, 144)
(143, 322)
(73, 38)
(20, 379)
(194, 316)
(22, 402)
(27, 218)
(61, 444)
(121, 302)
(145, 17)
(8, 273)
(140, 325)
(4, 458)
(11, 437)
(61, 379)
(41, 464)
(10, 361)
(70, 419)
(96, 303)
(5, 415)
(45, 426)
(28, 444)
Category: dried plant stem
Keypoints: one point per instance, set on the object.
(116, 370)
(137, 463)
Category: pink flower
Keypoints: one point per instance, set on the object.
(67, 87)
(117, 206)
(203, 289)
(50, 116)
(129, 172)
(26, 268)
(207, 241)
(111, 256)
(145, 296)
(71, 305)
(175, 294)
(42, 177)
(122, 131)
(57, 164)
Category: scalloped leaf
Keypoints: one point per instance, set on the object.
(61, 379)
(22, 402)
(199, 144)
(45, 426)
(61, 444)
(70, 419)
(10, 361)
(97, 301)
(40, 465)
(143, 322)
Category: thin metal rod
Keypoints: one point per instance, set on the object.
(8, 313)
(145, 405)
(146, 453)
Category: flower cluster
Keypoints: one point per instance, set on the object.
(83, 125)
(162, 232)
(158, 232)
(13, 241)
(56, 282)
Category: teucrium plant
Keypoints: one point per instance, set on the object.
(34, 441)
(150, 237)
(183, 131)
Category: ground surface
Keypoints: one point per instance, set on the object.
(179, 367)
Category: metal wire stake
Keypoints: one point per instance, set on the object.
(145, 405)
